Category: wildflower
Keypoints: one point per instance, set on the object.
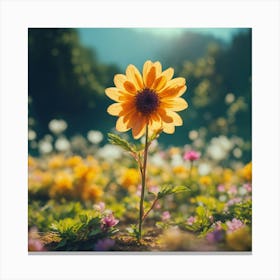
(221, 188)
(191, 220)
(165, 216)
(104, 244)
(130, 178)
(234, 225)
(62, 144)
(191, 155)
(217, 235)
(57, 126)
(95, 136)
(247, 172)
(109, 221)
(63, 181)
(99, 207)
(152, 98)
(92, 192)
(205, 180)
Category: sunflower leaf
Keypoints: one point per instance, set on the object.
(167, 190)
(117, 140)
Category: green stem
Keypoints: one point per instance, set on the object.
(151, 208)
(190, 177)
(143, 175)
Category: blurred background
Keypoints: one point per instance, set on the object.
(68, 70)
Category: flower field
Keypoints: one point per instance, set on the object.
(91, 203)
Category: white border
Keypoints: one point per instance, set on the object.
(17, 16)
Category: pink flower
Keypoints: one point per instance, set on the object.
(221, 188)
(109, 221)
(248, 187)
(35, 245)
(234, 225)
(100, 206)
(191, 155)
(104, 244)
(232, 190)
(165, 216)
(191, 220)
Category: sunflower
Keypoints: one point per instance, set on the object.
(148, 100)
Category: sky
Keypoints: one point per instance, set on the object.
(122, 46)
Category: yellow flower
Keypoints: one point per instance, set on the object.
(56, 162)
(130, 178)
(63, 181)
(73, 161)
(152, 98)
(247, 172)
(92, 192)
(205, 180)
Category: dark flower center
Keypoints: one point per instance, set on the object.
(147, 101)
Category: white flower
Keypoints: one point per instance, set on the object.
(57, 126)
(177, 160)
(110, 152)
(45, 147)
(95, 136)
(31, 135)
(204, 169)
(62, 144)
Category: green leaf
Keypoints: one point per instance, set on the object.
(117, 140)
(167, 190)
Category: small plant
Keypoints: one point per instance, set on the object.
(147, 104)
(83, 233)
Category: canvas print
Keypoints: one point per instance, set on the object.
(139, 140)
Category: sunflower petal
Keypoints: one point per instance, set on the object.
(159, 83)
(177, 120)
(134, 76)
(163, 116)
(150, 77)
(146, 68)
(176, 104)
(129, 86)
(113, 93)
(158, 67)
(173, 92)
(120, 125)
(138, 129)
(168, 73)
(168, 128)
(175, 82)
(114, 109)
(119, 80)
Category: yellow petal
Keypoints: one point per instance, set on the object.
(168, 73)
(150, 77)
(114, 109)
(155, 125)
(163, 116)
(120, 125)
(177, 120)
(129, 86)
(134, 76)
(159, 83)
(139, 128)
(146, 68)
(119, 80)
(168, 128)
(113, 93)
(177, 104)
(173, 92)
(158, 67)
(175, 82)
